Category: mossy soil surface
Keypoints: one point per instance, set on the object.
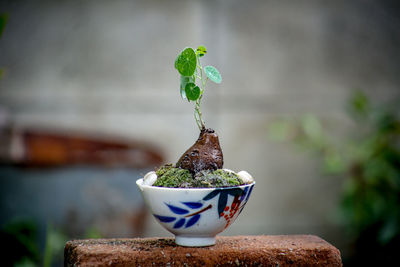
(170, 176)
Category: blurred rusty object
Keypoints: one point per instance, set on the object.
(39, 148)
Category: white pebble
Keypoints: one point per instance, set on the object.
(245, 177)
(228, 170)
(150, 178)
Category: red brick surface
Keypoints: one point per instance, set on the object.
(292, 250)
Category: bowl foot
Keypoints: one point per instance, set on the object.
(193, 241)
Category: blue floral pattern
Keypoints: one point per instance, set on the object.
(187, 214)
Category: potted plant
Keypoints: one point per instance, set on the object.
(196, 198)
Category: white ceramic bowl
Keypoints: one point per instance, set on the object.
(195, 215)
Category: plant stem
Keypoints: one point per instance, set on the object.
(197, 110)
(198, 114)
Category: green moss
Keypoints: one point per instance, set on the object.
(169, 176)
(217, 178)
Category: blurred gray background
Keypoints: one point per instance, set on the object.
(107, 67)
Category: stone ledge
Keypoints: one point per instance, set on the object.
(280, 250)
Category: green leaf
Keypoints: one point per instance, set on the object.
(213, 74)
(186, 62)
(201, 50)
(185, 80)
(192, 91)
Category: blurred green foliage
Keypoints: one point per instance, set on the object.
(370, 161)
(23, 248)
(54, 248)
(92, 233)
(20, 239)
(3, 22)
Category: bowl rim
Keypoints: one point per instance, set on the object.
(139, 183)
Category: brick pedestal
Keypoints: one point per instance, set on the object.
(282, 250)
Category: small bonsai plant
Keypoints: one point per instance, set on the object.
(201, 165)
(196, 198)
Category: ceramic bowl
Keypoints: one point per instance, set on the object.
(195, 215)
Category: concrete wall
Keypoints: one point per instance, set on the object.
(107, 66)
